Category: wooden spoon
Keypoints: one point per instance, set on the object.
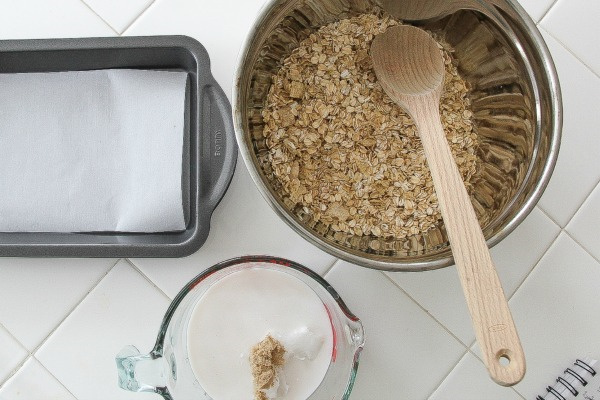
(409, 66)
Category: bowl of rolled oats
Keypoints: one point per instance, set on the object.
(343, 165)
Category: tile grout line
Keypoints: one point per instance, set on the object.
(513, 294)
(423, 308)
(54, 376)
(99, 16)
(550, 217)
(19, 364)
(547, 11)
(328, 270)
(16, 369)
(582, 246)
(568, 49)
(473, 342)
(75, 307)
(439, 323)
(518, 393)
(448, 374)
(2, 326)
(135, 267)
(468, 347)
(138, 17)
(547, 215)
(566, 232)
(587, 197)
(36, 348)
(469, 351)
(552, 243)
(526, 277)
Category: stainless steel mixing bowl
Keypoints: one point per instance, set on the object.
(515, 99)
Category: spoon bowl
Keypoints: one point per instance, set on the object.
(408, 75)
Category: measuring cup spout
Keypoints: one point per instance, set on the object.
(142, 372)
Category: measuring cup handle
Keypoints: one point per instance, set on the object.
(141, 373)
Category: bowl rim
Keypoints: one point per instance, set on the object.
(548, 69)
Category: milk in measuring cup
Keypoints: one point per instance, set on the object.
(238, 312)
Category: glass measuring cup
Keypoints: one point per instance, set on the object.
(166, 370)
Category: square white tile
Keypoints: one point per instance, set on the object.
(11, 354)
(119, 14)
(576, 171)
(573, 23)
(469, 380)
(536, 8)
(556, 312)
(221, 26)
(123, 309)
(406, 352)
(584, 226)
(37, 294)
(27, 19)
(242, 224)
(33, 381)
(440, 292)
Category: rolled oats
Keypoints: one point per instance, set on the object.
(343, 150)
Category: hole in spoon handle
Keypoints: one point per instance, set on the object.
(507, 367)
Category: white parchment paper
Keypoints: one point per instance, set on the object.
(92, 151)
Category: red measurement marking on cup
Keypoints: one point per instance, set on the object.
(334, 335)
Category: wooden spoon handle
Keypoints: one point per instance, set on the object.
(492, 320)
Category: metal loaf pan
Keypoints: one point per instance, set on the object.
(210, 150)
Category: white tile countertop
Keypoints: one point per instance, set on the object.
(62, 321)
